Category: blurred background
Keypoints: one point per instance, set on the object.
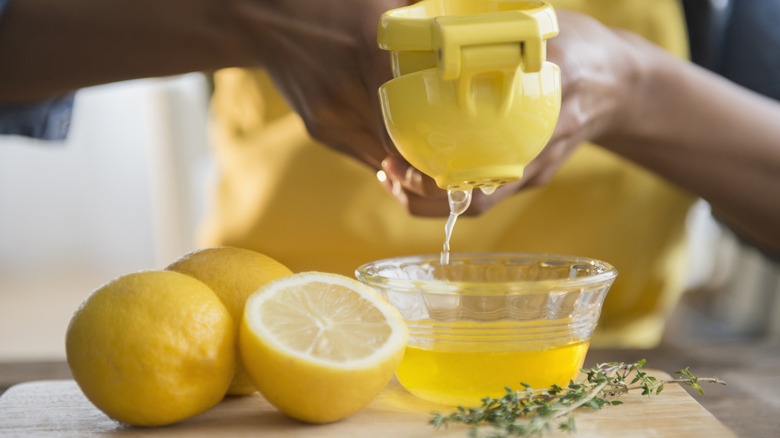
(128, 188)
(124, 193)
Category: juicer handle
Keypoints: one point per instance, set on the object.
(485, 54)
(489, 88)
(451, 35)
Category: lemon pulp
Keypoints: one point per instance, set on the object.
(327, 322)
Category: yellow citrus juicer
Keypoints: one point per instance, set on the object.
(473, 99)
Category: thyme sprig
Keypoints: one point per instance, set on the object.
(529, 412)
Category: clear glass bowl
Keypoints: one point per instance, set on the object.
(487, 321)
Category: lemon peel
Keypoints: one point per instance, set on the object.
(152, 348)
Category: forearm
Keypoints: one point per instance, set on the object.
(51, 46)
(709, 136)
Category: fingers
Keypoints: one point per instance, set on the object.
(410, 178)
(415, 192)
(420, 196)
(415, 204)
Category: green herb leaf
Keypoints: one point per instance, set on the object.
(529, 412)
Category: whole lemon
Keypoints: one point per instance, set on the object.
(233, 274)
(320, 346)
(152, 348)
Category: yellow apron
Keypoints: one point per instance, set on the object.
(282, 194)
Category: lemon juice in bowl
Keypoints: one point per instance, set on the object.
(464, 376)
(486, 321)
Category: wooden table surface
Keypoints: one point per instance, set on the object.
(749, 404)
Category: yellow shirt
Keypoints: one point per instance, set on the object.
(281, 193)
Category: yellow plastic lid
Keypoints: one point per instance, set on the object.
(446, 27)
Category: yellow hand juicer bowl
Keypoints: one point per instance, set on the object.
(473, 100)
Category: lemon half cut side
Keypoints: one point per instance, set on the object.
(320, 346)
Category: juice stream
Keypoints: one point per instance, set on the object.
(459, 200)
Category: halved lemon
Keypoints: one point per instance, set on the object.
(320, 346)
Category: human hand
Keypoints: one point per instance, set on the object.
(323, 57)
(600, 79)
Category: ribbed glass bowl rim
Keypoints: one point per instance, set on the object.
(366, 274)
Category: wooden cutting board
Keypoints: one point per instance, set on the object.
(58, 408)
